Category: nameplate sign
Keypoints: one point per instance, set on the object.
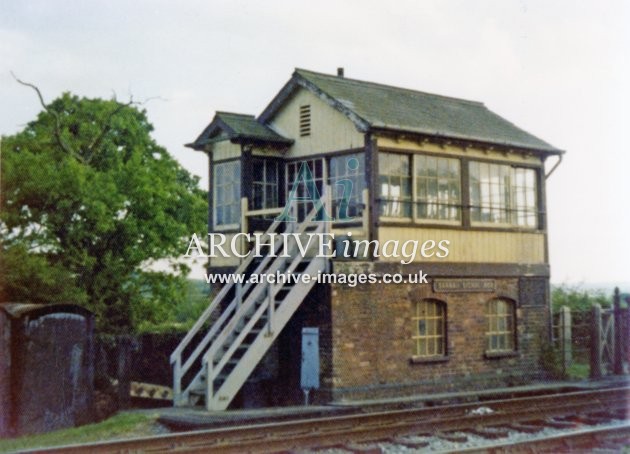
(463, 285)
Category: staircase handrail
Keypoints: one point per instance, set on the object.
(253, 296)
(203, 318)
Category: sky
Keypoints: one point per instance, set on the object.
(560, 70)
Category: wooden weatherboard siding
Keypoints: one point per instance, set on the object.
(386, 143)
(474, 246)
(225, 150)
(330, 129)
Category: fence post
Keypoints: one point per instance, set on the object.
(124, 351)
(626, 348)
(596, 341)
(619, 334)
(565, 337)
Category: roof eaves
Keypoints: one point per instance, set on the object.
(298, 80)
(361, 123)
(274, 106)
(257, 138)
(204, 139)
(550, 150)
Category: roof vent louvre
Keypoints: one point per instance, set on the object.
(305, 120)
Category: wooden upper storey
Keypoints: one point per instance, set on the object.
(459, 173)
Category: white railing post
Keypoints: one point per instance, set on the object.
(327, 205)
(270, 309)
(293, 213)
(365, 218)
(177, 382)
(209, 383)
(244, 225)
(239, 295)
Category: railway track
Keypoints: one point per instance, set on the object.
(364, 431)
(613, 439)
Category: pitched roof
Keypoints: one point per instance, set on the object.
(375, 106)
(235, 126)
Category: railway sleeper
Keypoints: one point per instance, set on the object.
(410, 442)
(454, 437)
(524, 427)
(491, 433)
(619, 413)
(363, 448)
(558, 424)
(588, 419)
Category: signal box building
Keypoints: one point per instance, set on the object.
(423, 168)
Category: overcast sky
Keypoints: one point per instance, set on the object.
(558, 69)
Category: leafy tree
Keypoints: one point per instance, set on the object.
(89, 199)
(577, 298)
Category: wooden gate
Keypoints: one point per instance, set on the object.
(607, 341)
(610, 339)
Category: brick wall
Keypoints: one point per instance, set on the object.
(372, 346)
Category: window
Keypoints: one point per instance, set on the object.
(395, 184)
(305, 121)
(500, 326)
(316, 167)
(501, 194)
(429, 323)
(438, 188)
(524, 197)
(436, 183)
(227, 193)
(350, 167)
(265, 183)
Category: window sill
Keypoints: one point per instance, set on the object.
(227, 228)
(428, 359)
(396, 219)
(498, 355)
(503, 226)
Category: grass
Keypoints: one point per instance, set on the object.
(578, 370)
(122, 425)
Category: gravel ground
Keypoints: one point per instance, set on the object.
(473, 441)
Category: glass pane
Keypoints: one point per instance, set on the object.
(272, 172)
(430, 347)
(422, 327)
(422, 347)
(258, 171)
(442, 168)
(431, 166)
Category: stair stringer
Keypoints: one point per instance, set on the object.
(254, 354)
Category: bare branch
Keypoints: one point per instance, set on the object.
(34, 87)
(151, 98)
(105, 128)
(64, 146)
(107, 125)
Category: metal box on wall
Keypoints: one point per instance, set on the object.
(309, 376)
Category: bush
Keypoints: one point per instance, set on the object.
(576, 298)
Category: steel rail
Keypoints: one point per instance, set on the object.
(362, 427)
(580, 439)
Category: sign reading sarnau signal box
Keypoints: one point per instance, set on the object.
(464, 285)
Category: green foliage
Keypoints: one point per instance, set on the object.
(578, 371)
(551, 361)
(89, 199)
(577, 298)
(180, 317)
(123, 425)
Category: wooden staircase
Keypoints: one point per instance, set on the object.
(244, 319)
